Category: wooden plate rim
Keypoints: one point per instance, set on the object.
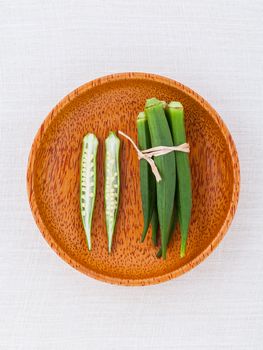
(37, 141)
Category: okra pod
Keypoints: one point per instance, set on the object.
(112, 184)
(155, 225)
(175, 115)
(88, 183)
(172, 228)
(147, 180)
(155, 221)
(161, 136)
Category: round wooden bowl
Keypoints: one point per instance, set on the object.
(112, 103)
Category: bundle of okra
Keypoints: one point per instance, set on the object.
(171, 198)
(163, 201)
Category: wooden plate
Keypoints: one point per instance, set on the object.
(112, 103)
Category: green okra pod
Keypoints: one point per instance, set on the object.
(155, 224)
(147, 180)
(161, 136)
(175, 116)
(172, 228)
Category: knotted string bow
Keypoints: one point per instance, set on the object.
(155, 152)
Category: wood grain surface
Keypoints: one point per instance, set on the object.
(112, 103)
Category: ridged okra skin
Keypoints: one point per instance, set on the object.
(155, 225)
(175, 116)
(161, 136)
(147, 179)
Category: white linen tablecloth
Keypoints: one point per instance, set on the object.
(48, 48)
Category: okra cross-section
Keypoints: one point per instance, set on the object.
(112, 184)
(88, 183)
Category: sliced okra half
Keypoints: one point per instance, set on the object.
(112, 184)
(88, 183)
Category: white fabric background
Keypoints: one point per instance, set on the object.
(48, 48)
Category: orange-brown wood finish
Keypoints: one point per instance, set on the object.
(112, 103)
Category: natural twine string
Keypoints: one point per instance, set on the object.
(156, 152)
